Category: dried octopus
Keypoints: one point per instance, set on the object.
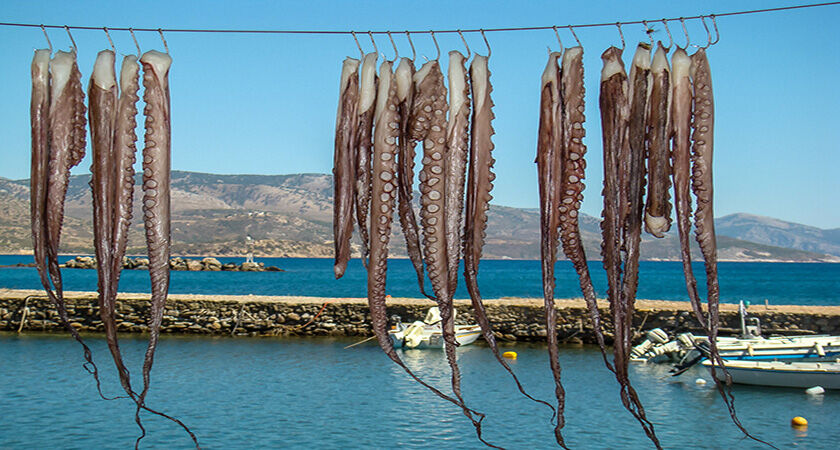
(396, 124)
(57, 117)
(58, 132)
(692, 150)
(621, 225)
(549, 168)
(479, 185)
(561, 170)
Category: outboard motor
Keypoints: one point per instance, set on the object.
(656, 336)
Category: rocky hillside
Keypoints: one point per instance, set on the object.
(291, 215)
(770, 231)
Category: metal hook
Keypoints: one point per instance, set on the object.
(48, 38)
(436, 44)
(413, 52)
(717, 32)
(164, 40)
(75, 49)
(621, 33)
(571, 28)
(375, 49)
(489, 51)
(109, 39)
(685, 30)
(469, 53)
(361, 52)
(562, 49)
(670, 38)
(649, 32)
(139, 52)
(396, 52)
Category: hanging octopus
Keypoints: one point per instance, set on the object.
(429, 125)
(550, 170)
(479, 185)
(404, 77)
(57, 117)
(574, 171)
(615, 105)
(106, 181)
(364, 149)
(658, 204)
(344, 170)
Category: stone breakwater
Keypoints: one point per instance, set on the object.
(177, 263)
(512, 319)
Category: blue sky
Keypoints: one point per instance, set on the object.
(266, 103)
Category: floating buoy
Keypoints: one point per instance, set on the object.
(700, 381)
(509, 355)
(799, 422)
(816, 390)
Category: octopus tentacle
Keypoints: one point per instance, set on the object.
(383, 201)
(405, 169)
(550, 172)
(124, 155)
(344, 171)
(635, 181)
(364, 150)
(681, 96)
(457, 146)
(430, 125)
(615, 112)
(703, 124)
(479, 185)
(574, 171)
(67, 147)
(103, 101)
(658, 204)
(58, 144)
(40, 123)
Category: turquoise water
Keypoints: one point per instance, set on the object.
(778, 283)
(294, 393)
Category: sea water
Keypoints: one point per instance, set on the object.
(237, 393)
(777, 283)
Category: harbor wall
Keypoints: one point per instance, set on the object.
(512, 319)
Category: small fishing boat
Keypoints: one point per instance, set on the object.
(781, 373)
(750, 345)
(428, 333)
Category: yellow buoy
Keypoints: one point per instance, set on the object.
(798, 422)
(509, 355)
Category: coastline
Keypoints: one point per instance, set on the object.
(513, 319)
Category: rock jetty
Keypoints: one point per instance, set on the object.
(177, 263)
(250, 315)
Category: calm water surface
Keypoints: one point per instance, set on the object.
(289, 393)
(779, 283)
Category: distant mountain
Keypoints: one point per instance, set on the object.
(291, 215)
(766, 230)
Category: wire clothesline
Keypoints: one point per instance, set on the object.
(476, 30)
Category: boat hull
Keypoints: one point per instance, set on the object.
(433, 338)
(782, 374)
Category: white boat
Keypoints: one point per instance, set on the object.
(782, 347)
(780, 373)
(749, 346)
(428, 334)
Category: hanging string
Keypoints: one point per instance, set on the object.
(135, 41)
(476, 30)
(48, 38)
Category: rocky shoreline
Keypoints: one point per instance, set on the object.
(177, 263)
(512, 319)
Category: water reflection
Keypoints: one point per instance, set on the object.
(244, 393)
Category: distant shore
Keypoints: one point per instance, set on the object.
(513, 319)
(257, 256)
